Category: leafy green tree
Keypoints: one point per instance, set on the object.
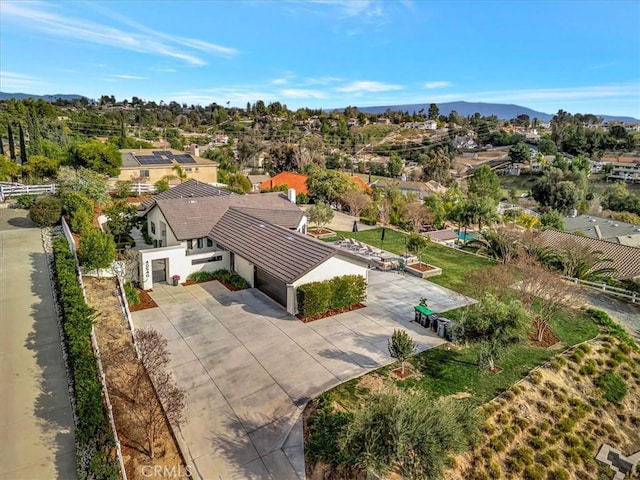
(552, 219)
(417, 243)
(434, 112)
(47, 211)
(23, 146)
(121, 217)
(97, 250)
(283, 157)
(97, 156)
(435, 166)
(320, 214)
(83, 180)
(40, 167)
(123, 189)
(409, 432)
(12, 145)
(493, 324)
(249, 147)
(520, 153)
(162, 185)
(35, 136)
(500, 243)
(356, 201)
(550, 191)
(328, 185)
(394, 166)
(546, 146)
(238, 183)
(485, 184)
(9, 170)
(401, 347)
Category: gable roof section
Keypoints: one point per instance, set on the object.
(283, 253)
(190, 188)
(625, 259)
(194, 217)
(296, 181)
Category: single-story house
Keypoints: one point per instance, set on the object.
(445, 236)
(298, 182)
(603, 229)
(624, 259)
(197, 227)
(149, 166)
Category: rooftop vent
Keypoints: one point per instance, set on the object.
(193, 201)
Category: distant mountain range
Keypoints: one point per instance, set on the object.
(48, 98)
(500, 110)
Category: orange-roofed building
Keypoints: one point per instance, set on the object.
(296, 181)
(361, 184)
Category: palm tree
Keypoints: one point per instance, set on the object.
(579, 261)
(500, 243)
(180, 173)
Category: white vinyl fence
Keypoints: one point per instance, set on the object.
(13, 190)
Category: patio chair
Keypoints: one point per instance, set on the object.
(374, 252)
(360, 247)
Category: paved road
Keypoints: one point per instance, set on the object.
(249, 367)
(627, 314)
(36, 423)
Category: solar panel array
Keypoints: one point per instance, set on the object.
(184, 159)
(164, 157)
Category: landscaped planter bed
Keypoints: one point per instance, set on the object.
(145, 301)
(321, 233)
(329, 313)
(423, 270)
(229, 286)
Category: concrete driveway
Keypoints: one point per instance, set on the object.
(36, 421)
(249, 368)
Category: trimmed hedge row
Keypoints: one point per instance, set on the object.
(220, 275)
(319, 297)
(95, 445)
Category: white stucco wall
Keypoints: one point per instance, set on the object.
(178, 263)
(244, 268)
(155, 215)
(334, 267)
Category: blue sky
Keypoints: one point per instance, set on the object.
(582, 56)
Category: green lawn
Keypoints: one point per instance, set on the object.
(454, 263)
(447, 370)
(522, 184)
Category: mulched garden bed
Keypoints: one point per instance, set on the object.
(397, 372)
(330, 313)
(549, 339)
(229, 286)
(145, 301)
(423, 267)
(319, 231)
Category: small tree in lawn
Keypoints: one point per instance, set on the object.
(401, 347)
(121, 216)
(97, 250)
(416, 244)
(320, 214)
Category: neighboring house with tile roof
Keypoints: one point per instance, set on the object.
(623, 258)
(604, 229)
(260, 236)
(298, 182)
(421, 189)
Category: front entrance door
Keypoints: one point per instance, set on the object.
(159, 270)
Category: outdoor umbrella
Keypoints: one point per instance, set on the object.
(355, 226)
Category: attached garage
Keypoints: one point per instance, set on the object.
(276, 260)
(271, 286)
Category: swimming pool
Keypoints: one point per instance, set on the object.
(466, 237)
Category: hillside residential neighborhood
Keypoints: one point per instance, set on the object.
(323, 240)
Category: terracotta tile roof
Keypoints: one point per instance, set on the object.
(620, 159)
(296, 181)
(361, 184)
(283, 253)
(625, 259)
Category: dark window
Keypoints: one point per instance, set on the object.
(209, 242)
(144, 173)
(200, 242)
(189, 244)
(153, 227)
(217, 258)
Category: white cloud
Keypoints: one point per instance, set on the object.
(165, 70)
(137, 37)
(438, 84)
(368, 86)
(301, 93)
(16, 81)
(129, 77)
(325, 80)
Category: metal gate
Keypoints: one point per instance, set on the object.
(270, 285)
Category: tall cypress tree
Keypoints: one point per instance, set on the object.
(12, 146)
(1, 146)
(34, 133)
(23, 146)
